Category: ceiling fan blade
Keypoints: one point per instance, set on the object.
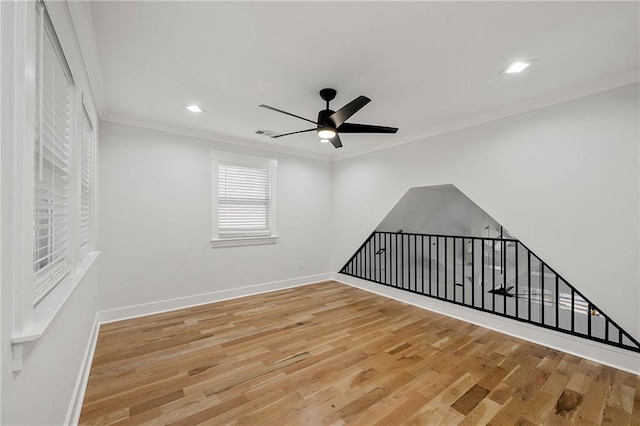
(285, 112)
(341, 115)
(335, 141)
(293, 133)
(365, 128)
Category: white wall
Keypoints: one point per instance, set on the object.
(43, 390)
(155, 226)
(562, 179)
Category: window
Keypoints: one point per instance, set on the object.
(243, 199)
(86, 184)
(52, 161)
(53, 140)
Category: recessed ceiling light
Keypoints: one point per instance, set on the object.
(324, 140)
(516, 67)
(194, 108)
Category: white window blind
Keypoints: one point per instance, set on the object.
(86, 184)
(52, 161)
(244, 201)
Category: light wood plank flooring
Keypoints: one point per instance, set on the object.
(331, 354)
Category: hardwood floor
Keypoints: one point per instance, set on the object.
(332, 354)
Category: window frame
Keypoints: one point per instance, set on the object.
(51, 274)
(84, 114)
(32, 319)
(245, 161)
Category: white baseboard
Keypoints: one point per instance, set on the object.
(614, 357)
(102, 317)
(201, 299)
(594, 351)
(73, 413)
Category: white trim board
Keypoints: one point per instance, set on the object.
(73, 412)
(210, 136)
(598, 86)
(160, 306)
(594, 351)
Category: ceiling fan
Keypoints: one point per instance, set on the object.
(330, 123)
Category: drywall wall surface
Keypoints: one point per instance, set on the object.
(43, 385)
(440, 209)
(155, 219)
(42, 392)
(563, 179)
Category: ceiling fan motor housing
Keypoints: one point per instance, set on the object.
(324, 120)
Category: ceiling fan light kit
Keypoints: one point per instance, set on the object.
(326, 133)
(331, 123)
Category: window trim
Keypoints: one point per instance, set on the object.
(92, 166)
(250, 161)
(31, 321)
(45, 281)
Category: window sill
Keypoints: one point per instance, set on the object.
(236, 242)
(45, 312)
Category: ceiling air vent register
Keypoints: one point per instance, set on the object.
(267, 133)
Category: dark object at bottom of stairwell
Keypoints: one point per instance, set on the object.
(501, 291)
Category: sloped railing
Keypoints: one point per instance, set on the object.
(494, 275)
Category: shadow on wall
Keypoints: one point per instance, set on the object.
(443, 210)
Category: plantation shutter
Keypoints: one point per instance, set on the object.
(244, 201)
(52, 161)
(86, 184)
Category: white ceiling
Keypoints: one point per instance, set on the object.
(427, 66)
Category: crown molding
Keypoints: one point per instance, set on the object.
(209, 136)
(531, 105)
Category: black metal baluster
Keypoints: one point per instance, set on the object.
(446, 264)
(557, 301)
(529, 283)
(493, 274)
(541, 288)
(453, 261)
(355, 266)
(376, 244)
(473, 273)
(606, 329)
(503, 272)
(381, 250)
(464, 253)
(415, 262)
(517, 286)
(573, 311)
(422, 262)
(372, 260)
(397, 268)
(430, 263)
(438, 267)
(388, 258)
(482, 272)
(402, 260)
(408, 261)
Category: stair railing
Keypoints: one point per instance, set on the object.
(495, 275)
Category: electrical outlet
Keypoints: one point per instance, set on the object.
(300, 265)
